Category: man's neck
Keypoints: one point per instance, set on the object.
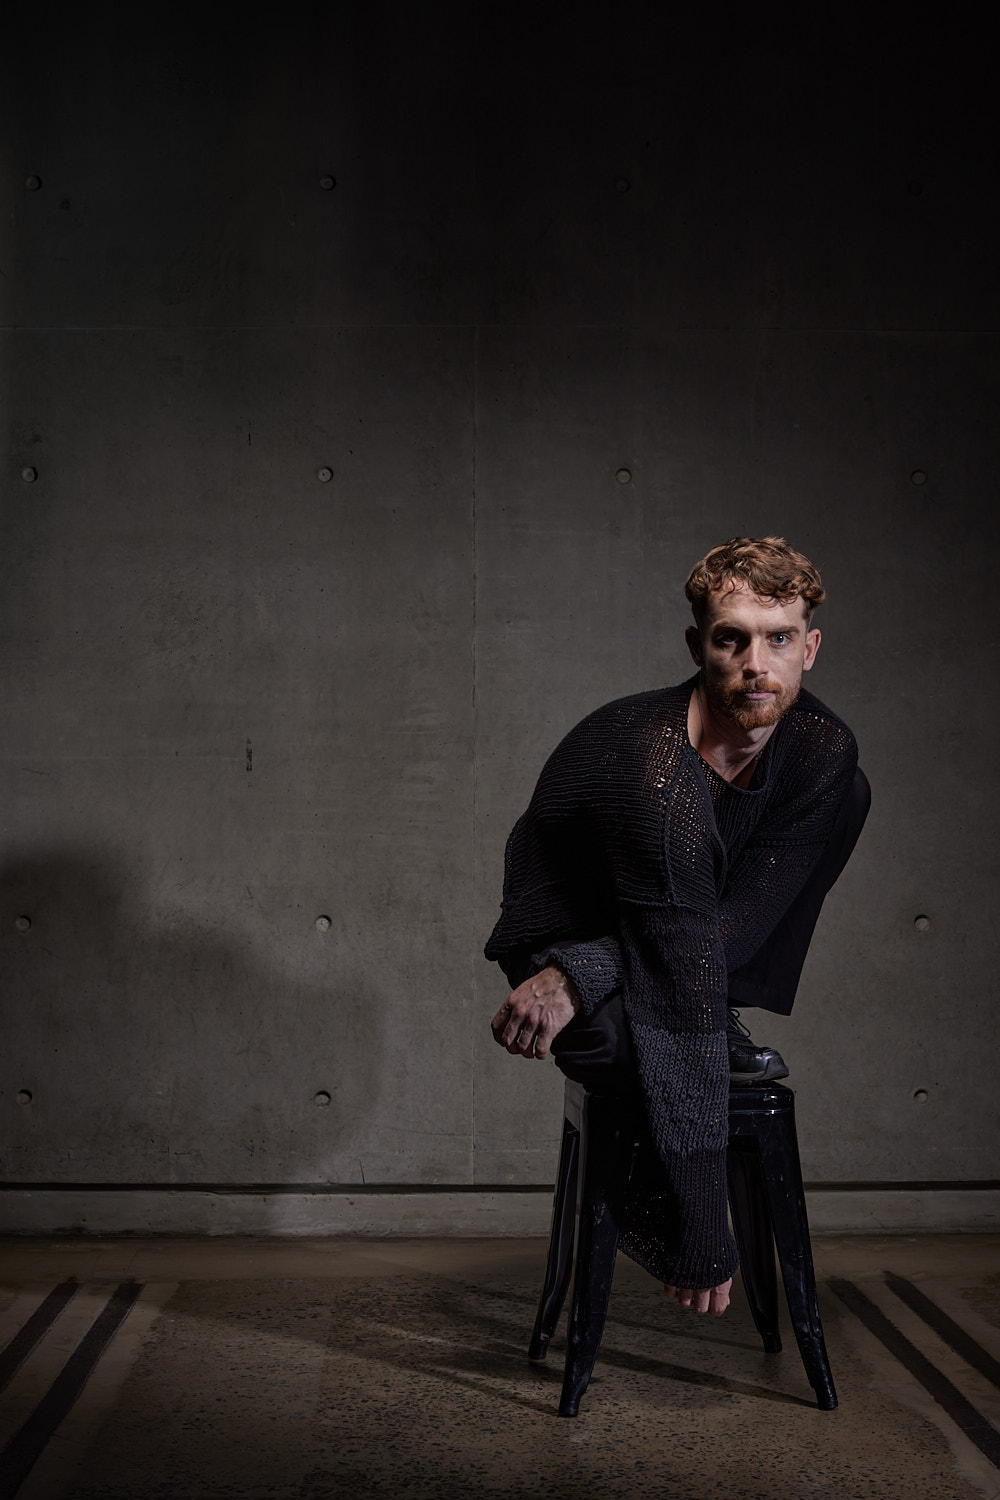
(728, 749)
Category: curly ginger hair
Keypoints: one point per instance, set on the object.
(766, 564)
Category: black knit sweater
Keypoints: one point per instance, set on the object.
(636, 865)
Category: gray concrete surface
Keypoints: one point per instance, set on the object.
(251, 1367)
(474, 1211)
(750, 264)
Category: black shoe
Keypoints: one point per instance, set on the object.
(749, 1064)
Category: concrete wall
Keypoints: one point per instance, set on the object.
(318, 534)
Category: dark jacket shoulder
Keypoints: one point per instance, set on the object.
(654, 706)
(812, 724)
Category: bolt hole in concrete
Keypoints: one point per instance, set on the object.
(623, 184)
(28, 474)
(23, 924)
(624, 476)
(322, 1099)
(327, 182)
(324, 475)
(32, 184)
(919, 476)
(24, 1096)
(922, 923)
(323, 924)
(920, 1096)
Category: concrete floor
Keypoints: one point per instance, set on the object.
(251, 1368)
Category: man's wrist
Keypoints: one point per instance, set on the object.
(565, 983)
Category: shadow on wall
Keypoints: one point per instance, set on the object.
(142, 1048)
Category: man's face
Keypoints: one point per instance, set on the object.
(752, 651)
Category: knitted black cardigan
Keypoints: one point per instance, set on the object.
(636, 865)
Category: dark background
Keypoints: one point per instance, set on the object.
(592, 290)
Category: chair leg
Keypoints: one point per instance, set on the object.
(754, 1237)
(606, 1159)
(559, 1266)
(786, 1199)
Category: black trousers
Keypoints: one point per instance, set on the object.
(596, 1049)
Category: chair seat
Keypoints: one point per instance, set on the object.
(601, 1134)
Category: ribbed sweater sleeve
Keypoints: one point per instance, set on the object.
(594, 967)
(675, 991)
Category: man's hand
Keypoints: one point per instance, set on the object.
(714, 1299)
(535, 1013)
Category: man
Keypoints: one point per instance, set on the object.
(674, 859)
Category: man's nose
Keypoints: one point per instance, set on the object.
(753, 660)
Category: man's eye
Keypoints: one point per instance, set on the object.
(780, 639)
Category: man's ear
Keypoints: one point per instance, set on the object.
(813, 639)
(693, 639)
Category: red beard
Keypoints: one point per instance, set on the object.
(732, 703)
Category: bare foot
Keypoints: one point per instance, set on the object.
(713, 1299)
